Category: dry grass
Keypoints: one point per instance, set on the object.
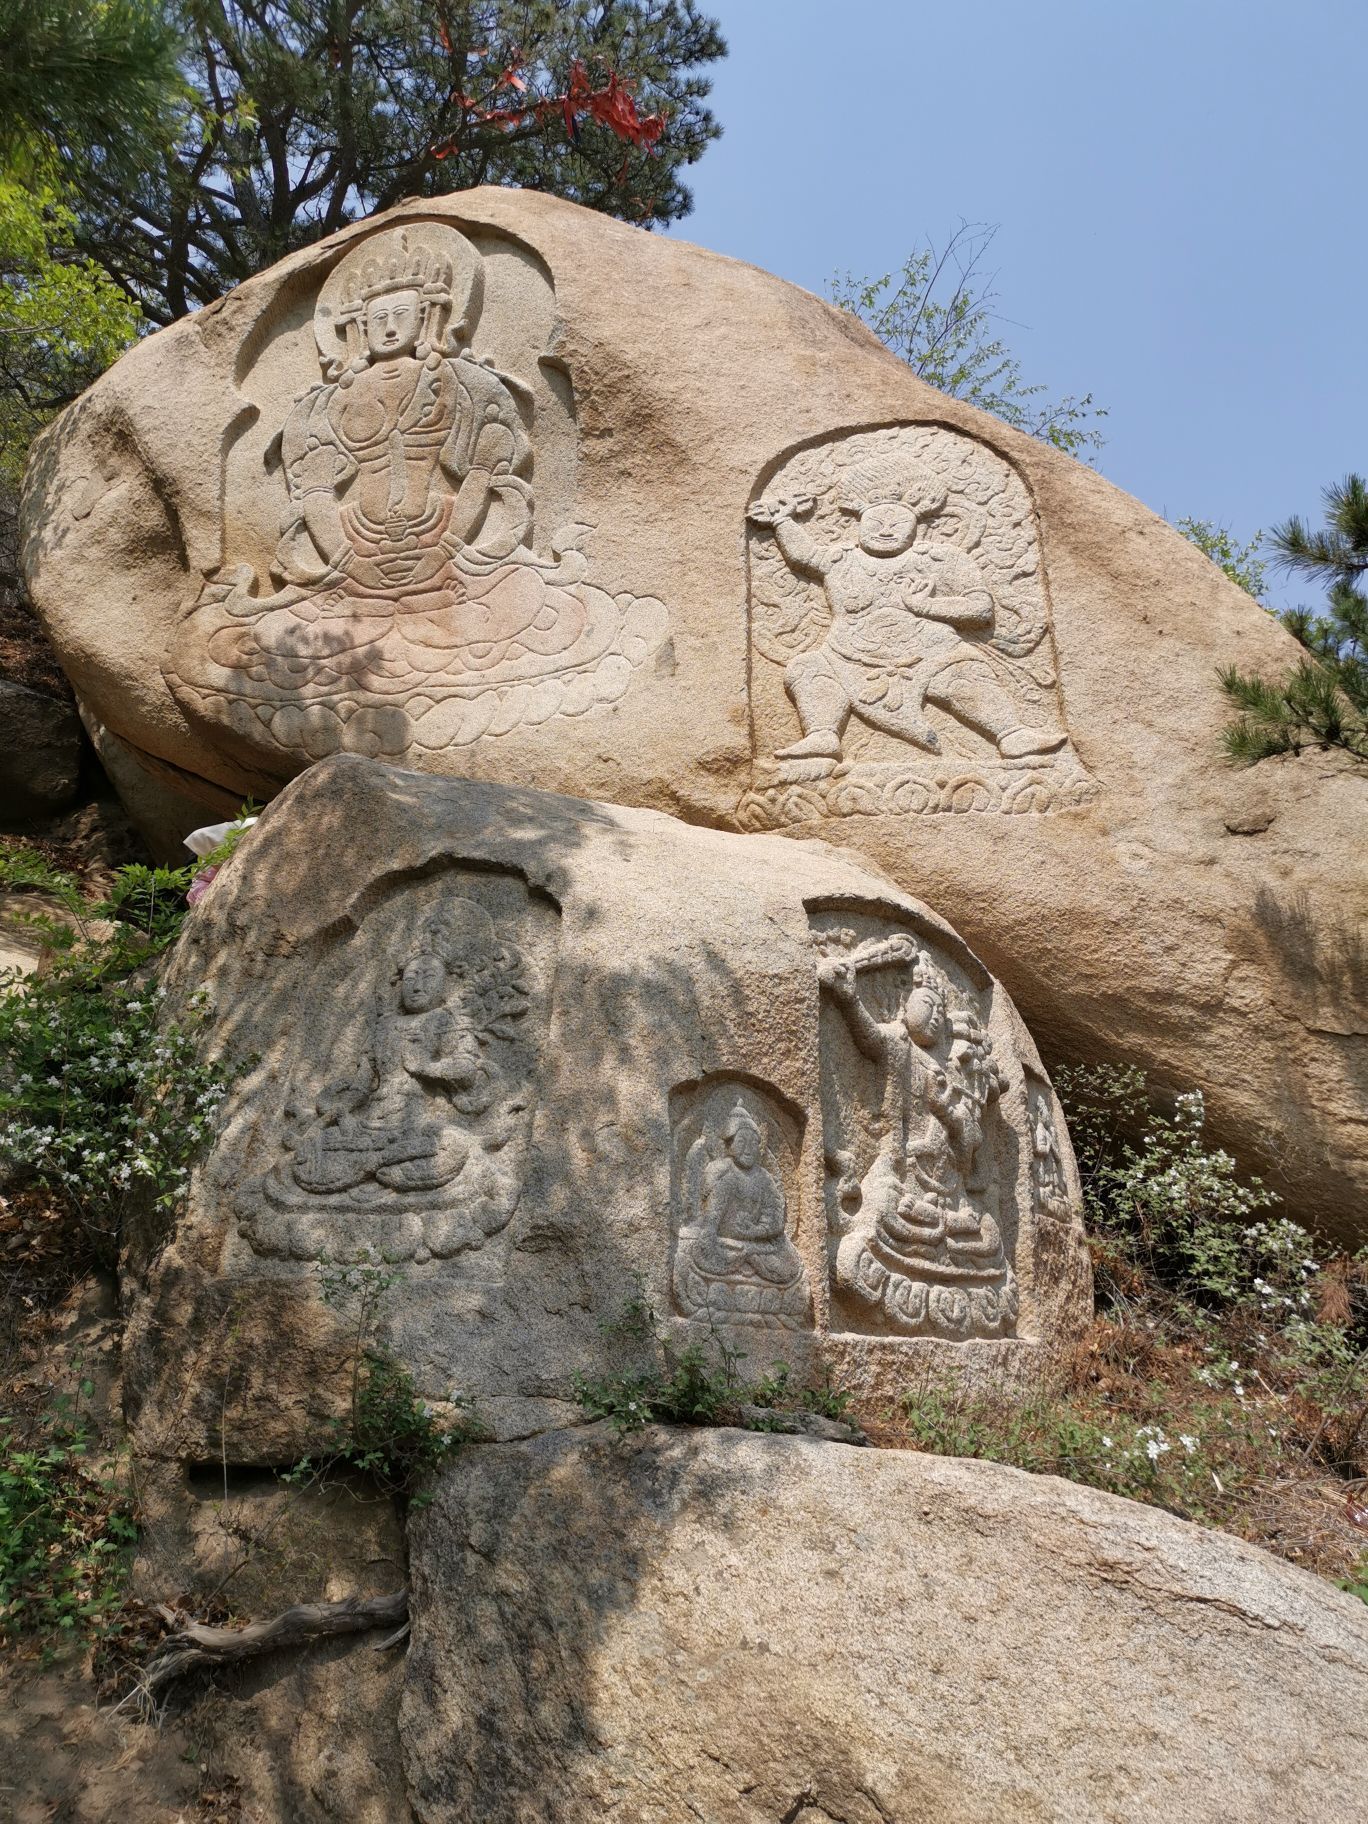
(1212, 1415)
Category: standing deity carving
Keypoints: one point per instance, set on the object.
(897, 597)
(409, 1152)
(921, 1252)
(734, 1262)
(1049, 1187)
(412, 609)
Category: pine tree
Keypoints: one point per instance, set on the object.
(84, 82)
(304, 115)
(1323, 701)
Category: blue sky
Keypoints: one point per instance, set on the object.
(1180, 191)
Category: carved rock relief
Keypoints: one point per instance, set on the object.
(734, 1168)
(408, 1100)
(902, 655)
(411, 606)
(1049, 1187)
(910, 1092)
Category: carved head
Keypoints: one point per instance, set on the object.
(422, 982)
(742, 1137)
(892, 494)
(923, 1011)
(392, 323)
(426, 271)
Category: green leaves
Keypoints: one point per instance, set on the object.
(85, 78)
(936, 314)
(1323, 701)
(1239, 561)
(103, 1099)
(306, 115)
(62, 320)
(64, 1534)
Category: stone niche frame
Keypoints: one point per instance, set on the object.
(429, 1187)
(836, 734)
(400, 566)
(749, 1275)
(1047, 1258)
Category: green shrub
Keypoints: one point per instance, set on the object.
(694, 1385)
(104, 1100)
(391, 1433)
(65, 1537)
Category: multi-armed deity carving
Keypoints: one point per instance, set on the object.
(734, 1260)
(414, 1151)
(912, 1188)
(412, 610)
(898, 600)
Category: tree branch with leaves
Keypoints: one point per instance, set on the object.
(1323, 701)
(937, 314)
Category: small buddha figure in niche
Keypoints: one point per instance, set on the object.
(405, 1119)
(922, 1201)
(910, 615)
(735, 1262)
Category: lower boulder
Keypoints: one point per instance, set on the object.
(719, 1626)
(40, 753)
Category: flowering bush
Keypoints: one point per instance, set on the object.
(1158, 1198)
(103, 1098)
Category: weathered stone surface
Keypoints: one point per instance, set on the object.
(722, 1626)
(544, 1057)
(40, 753)
(494, 486)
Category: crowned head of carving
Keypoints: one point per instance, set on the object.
(393, 323)
(406, 291)
(742, 1137)
(891, 494)
(924, 1009)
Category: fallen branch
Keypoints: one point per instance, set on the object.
(193, 1644)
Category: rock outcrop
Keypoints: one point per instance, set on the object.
(533, 1059)
(40, 753)
(494, 486)
(721, 1626)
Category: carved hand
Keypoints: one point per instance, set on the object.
(837, 973)
(770, 512)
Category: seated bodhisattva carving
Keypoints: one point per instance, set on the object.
(734, 1262)
(407, 1152)
(413, 610)
(921, 1250)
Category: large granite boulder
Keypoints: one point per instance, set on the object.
(494, 486)
(40, 753)
(535, 1060)
(734, 1628)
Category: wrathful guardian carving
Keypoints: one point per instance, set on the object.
(409, 1153)
(897, 597)
(919, 1250)
(412, 612)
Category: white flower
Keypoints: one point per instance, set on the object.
(1189, 1444)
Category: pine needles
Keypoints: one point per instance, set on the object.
(1323, 701)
